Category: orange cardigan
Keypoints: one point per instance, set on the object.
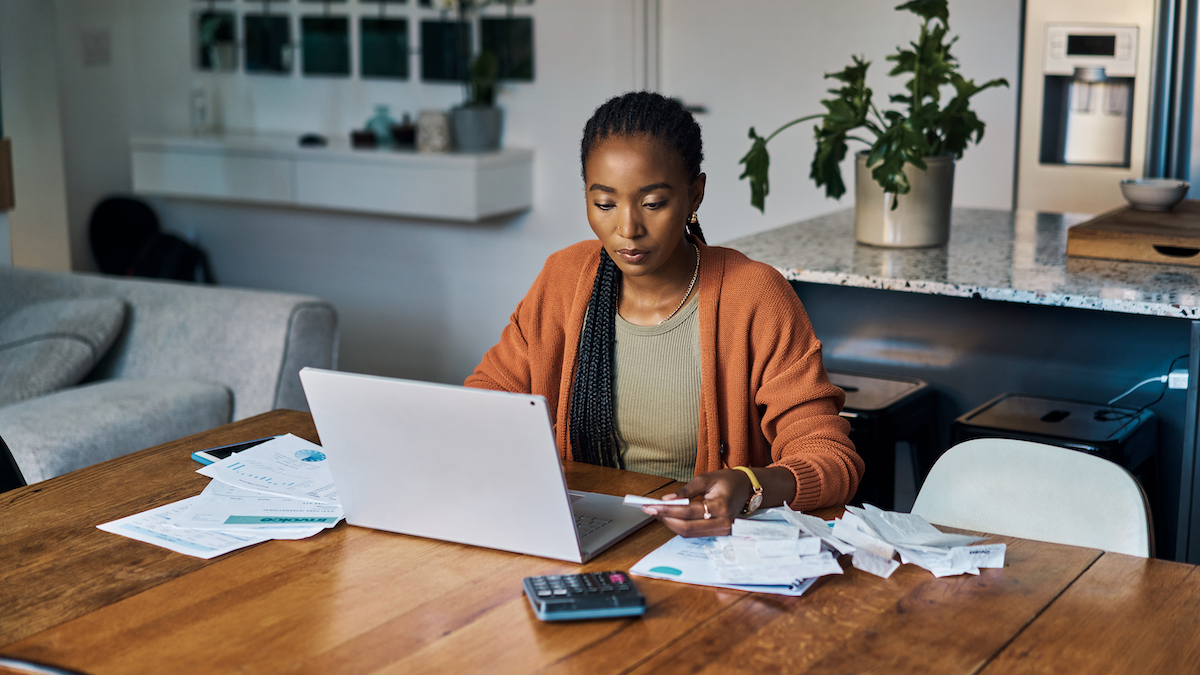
(765, 398)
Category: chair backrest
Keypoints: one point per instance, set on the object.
(1036, 491)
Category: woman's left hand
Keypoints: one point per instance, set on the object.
(720, 494)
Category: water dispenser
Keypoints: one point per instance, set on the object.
(1089, 80)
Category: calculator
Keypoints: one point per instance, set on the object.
(595, 595)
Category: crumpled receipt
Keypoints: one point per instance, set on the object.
(876, 533)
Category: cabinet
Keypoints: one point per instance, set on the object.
(273, 169)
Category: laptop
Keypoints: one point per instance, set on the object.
(457, 464)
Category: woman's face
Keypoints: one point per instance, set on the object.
(639, 198)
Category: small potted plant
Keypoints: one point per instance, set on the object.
(904, 180)
(478, 123)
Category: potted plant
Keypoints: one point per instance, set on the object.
(904, 181)
(478, 122)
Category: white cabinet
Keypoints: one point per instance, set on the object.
(273, 169)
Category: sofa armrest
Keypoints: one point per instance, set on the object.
(312, 340)
(253, 342)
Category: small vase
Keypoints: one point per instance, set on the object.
(380, 124)
(921, 217)
(477, 128)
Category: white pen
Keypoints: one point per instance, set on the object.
(634, 500)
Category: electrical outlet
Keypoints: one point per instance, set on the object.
(1178, 379)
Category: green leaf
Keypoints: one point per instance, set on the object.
(927, 9)
(844, 114)
(922, 127)
(758, 163)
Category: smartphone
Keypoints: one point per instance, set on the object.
(217, 454)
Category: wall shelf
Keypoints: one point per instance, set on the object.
(273, 169)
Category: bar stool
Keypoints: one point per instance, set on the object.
(884, 411)
(1126, 436)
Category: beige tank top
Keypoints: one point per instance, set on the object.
(657, 391)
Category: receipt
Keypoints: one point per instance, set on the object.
(769, 548)
(852, 530)
(873, 564)
(764, 529)
(899, 529)
(634, 500)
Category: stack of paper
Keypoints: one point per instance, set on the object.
(281, 489)
(773, 551)
(877, 535)
(784, 551)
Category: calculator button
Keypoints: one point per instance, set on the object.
(543, 594)
(560, 591)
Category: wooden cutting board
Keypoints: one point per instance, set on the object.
(1168, 237)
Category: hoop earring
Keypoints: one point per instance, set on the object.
(694, 219)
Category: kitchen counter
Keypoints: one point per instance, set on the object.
(995, 255)
(1000, 309)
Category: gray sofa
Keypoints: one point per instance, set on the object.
(179, 359)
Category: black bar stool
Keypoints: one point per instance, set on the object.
(884, 411)
(1126, 436)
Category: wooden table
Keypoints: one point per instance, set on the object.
(352, 600)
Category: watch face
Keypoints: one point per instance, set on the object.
(755, 502)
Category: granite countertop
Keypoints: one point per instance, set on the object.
(996, 255)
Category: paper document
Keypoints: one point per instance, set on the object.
(688, 561)
(906, 529)
(154, 527)
(634, 500)
(286, 465)
(224, 507)
(876, 533)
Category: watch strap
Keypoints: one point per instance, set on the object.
(758, 490)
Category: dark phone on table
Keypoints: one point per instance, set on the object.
(217, 454)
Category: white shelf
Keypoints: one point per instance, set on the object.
(274, 169)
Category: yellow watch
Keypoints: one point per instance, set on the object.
(756, 498)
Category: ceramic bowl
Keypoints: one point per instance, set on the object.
(1153, 194)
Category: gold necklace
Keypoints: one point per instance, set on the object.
(695, 273)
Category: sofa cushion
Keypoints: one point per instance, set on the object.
(49, 345)
(79, 426)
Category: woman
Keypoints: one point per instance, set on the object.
(663, 355)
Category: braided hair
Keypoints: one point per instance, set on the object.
(640, 113)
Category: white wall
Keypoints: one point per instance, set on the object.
(96, 86)
(38, 227)
(423, 299)
(762, 66)
(417, 299)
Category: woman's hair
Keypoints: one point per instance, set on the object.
(639, 113)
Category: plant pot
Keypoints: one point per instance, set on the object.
(477, 128)
(922, 217)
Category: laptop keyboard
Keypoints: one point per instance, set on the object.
(586, 525)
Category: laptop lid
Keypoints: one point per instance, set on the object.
(453, 463)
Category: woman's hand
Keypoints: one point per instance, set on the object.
(725, 494)
(720, 494)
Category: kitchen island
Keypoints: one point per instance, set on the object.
(1002, 309)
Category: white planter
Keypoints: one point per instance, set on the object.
(922, 217)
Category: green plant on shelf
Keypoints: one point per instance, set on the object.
(923, 127)
(481, 80)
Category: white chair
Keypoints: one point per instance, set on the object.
(1036, 491)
